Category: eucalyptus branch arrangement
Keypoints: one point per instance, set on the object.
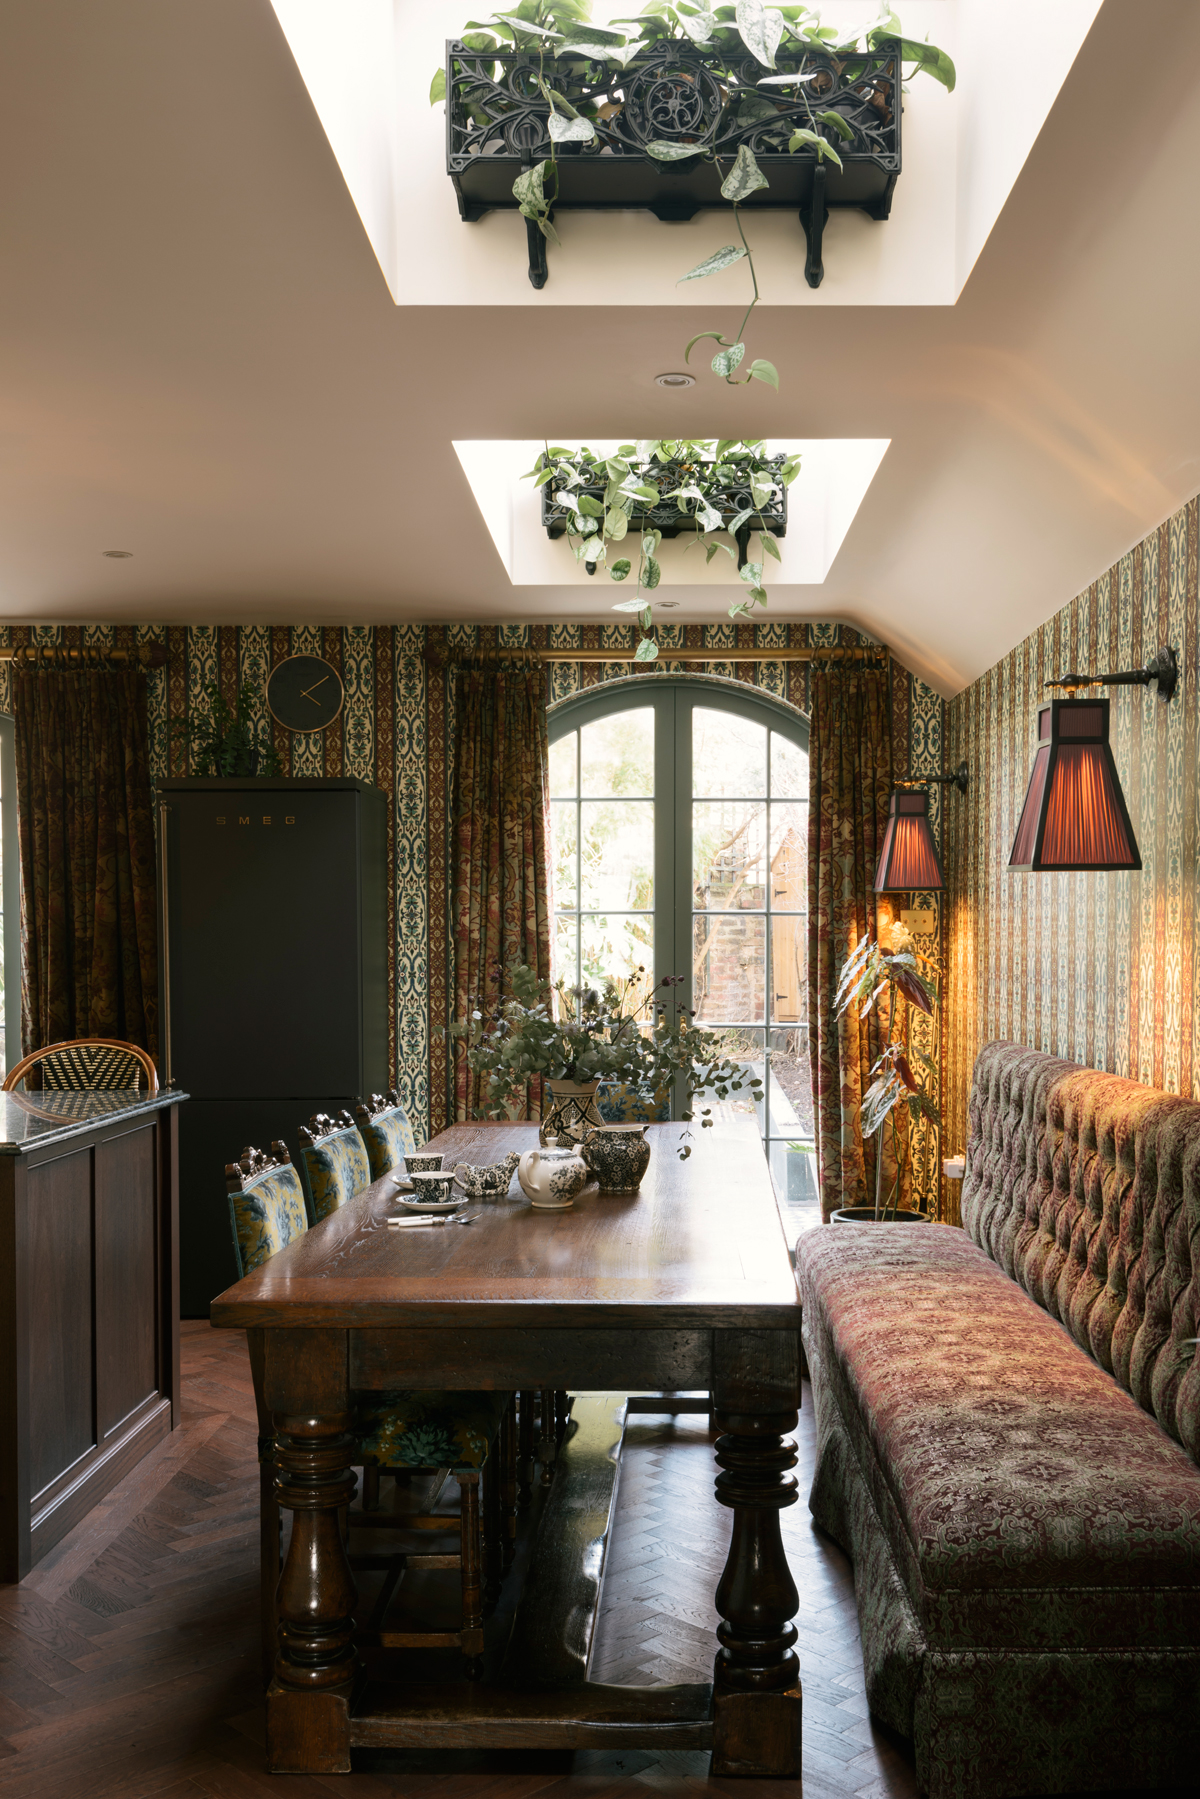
(631, 488)
(579, 1034)
(576, 51)
(228, 740)
(870, 974)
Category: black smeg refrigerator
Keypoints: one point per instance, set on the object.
(273, 979)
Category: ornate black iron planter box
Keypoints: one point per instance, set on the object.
(496, 127)
(729, 500)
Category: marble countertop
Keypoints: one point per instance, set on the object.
(28, 1120)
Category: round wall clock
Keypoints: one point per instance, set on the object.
(304, 693)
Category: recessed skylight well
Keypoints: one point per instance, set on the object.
(835, 473)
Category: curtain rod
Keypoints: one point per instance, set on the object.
(705, 653)
(149, 655)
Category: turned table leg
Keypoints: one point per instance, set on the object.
(308, 1703)
(756, 1697)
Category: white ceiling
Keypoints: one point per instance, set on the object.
(201, 362)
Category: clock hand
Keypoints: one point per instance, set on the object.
(306, 693)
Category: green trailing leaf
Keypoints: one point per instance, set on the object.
(530, 195)
(544, 475)
(698, 26)
(751, 573)
(759, 595)
(646, 447)
(760, 491)
(650, 543)
(651, 574)
(837, 123)
(647, 618)
(527, 25)
(646, 651)
(790, 470)
(616, 525)
(634, 605)
(437, 88)
(664, 152)
(723, 258)
(928, 58)
(738, 520)
(725, 361)
(769, 546)
(759, 29)
(812, 140)
(643, 491)
(586, 526)
(589, 506)
(620, 569)
(793, 80)
(762, 370)
(744, 179)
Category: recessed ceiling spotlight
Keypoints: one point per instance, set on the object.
(677, 380)
(117, 555)
(665, 605)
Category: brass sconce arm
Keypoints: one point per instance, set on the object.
(1163, 668)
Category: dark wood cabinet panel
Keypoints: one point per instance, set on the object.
(89, 1326)
(62, 1410)
(126, 1256)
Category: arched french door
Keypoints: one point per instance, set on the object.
(680, 848)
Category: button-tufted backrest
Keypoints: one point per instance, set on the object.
(1085, 1188)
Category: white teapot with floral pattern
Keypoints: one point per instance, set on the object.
(552, 1177)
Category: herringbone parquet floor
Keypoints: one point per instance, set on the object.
(128, 1659)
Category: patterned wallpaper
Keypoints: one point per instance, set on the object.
(1099, 968)
(393, 732)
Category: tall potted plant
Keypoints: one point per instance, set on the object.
(900, 1093)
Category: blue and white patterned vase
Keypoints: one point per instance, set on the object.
(569, 1111)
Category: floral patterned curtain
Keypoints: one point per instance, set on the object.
(89, 915)
(850, 781)
(500, 897)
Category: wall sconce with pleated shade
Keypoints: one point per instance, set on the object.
(1075, 817)
(909, 861)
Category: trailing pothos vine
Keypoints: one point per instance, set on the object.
(567, 44)
(608, 497)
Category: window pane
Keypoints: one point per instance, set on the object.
(617, 754)
(564, 819)
(729, 968)
(789, 969)
(562, 765)
(729, 755)
(617, 864)
(790, 1108)
(566, 952)
(789, 769)
(728, 856)
(794, 1172)
(616, 948)
(789, 857)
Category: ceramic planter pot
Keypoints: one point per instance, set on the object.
(618, 1155)
(569, 1110)
(552, 1177)
(866, 1215)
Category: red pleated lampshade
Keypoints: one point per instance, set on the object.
(909, 861)
(1074, 815)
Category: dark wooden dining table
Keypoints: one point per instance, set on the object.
(686, 1285)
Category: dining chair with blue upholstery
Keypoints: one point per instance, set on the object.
(335, 1163)
(399, 1433)
(384, 1128)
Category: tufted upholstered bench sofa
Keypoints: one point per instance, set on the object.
(1008, 1427)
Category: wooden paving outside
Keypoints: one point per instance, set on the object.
(128, 1658)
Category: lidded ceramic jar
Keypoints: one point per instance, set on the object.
(618, 1155)
(552, 1177)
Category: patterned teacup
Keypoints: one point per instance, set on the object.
(424, 1162)
(433, 1186)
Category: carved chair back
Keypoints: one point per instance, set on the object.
(384, 1128)
(266, 1205)
(85, 1064)
(336, 1165)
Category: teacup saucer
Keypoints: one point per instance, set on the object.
(401, 1185)
(434, 1208)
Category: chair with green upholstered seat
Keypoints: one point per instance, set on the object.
(335, 1162)
(384, 1128)
(401, 1433)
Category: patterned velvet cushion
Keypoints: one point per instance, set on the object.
(1027, 1501)
(266, 1215)
(337, 1169)
(426, 1430)
(621, 1103)
(1085, 1188)
(389, 1138)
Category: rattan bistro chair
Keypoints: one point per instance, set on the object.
(85, 1064)
(419, 1438)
